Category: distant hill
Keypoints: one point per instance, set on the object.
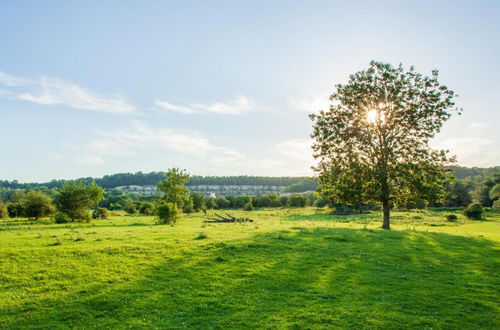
(150, 179)
(147, 179)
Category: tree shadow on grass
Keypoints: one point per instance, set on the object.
(303, 278)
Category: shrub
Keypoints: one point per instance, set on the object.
(210, 203)
(222, 202)
(36, 205)
(167, 213)
(321, 202)
(100, 213)
(262, 201)
(61, 218)
(15, 210)
(188, 207)
(241, 201)
(451, 217)
(147, 208)
(284, 201)
(496, 204)
(248, 206)
(4, 213)
(298, 200)
(474, 211)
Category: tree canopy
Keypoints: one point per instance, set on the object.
(373, 142)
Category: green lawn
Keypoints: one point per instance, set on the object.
(292, 268)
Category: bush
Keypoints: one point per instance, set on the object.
(15, 210)
(4, 213)
(147, 208)
(222, 202)
(37, 205)
(210, 203)
(320, 202)
(451, 217)
(241, 201)
(474, 211)
(496, 204)
(168, 213)
(248, 206)
(298, 200)
(188, 207)
(284, 201)
(61, 218)
(100, 213)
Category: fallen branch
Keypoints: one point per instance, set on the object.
(228, 218)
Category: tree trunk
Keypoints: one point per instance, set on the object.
(386, 211)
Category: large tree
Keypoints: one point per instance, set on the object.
(76, 198)
(372, 145)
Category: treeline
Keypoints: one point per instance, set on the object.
(146, 179)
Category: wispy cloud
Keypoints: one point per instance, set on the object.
(235, 106)
(312, 103)
(55, 91)
(139, 139)
(470, 150)
(296, 149)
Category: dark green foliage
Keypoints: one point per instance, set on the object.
(474, 211)
(240, 201)
(76, 198)
(457, 195)
(198, 201)
(321, 202)
(114, 200)
(451, 217)
(495, 192)
(15, 210)
(373, 142)
(37, 205)
(188, 206)
(308, 185)
(210, 203)
(4, 213)
(147, 208)
(100, 213)
(284, 201)
(130, 206)
(60, 217)
(262, 201)
(298, 200)
(248, 206)
(222, 202)
(168, 213)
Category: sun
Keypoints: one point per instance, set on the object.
(371, 116)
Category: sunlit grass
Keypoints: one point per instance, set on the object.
(301, 268)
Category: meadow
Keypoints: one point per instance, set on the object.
(291, 268)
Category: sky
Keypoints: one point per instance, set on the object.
(89, 88)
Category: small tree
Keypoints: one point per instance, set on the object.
(174, 187)
(37, 205)
(76, 198)
(167, 213)
(373, 142)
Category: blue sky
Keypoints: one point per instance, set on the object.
(89, 88)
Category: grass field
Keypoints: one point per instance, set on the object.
(291, 268)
